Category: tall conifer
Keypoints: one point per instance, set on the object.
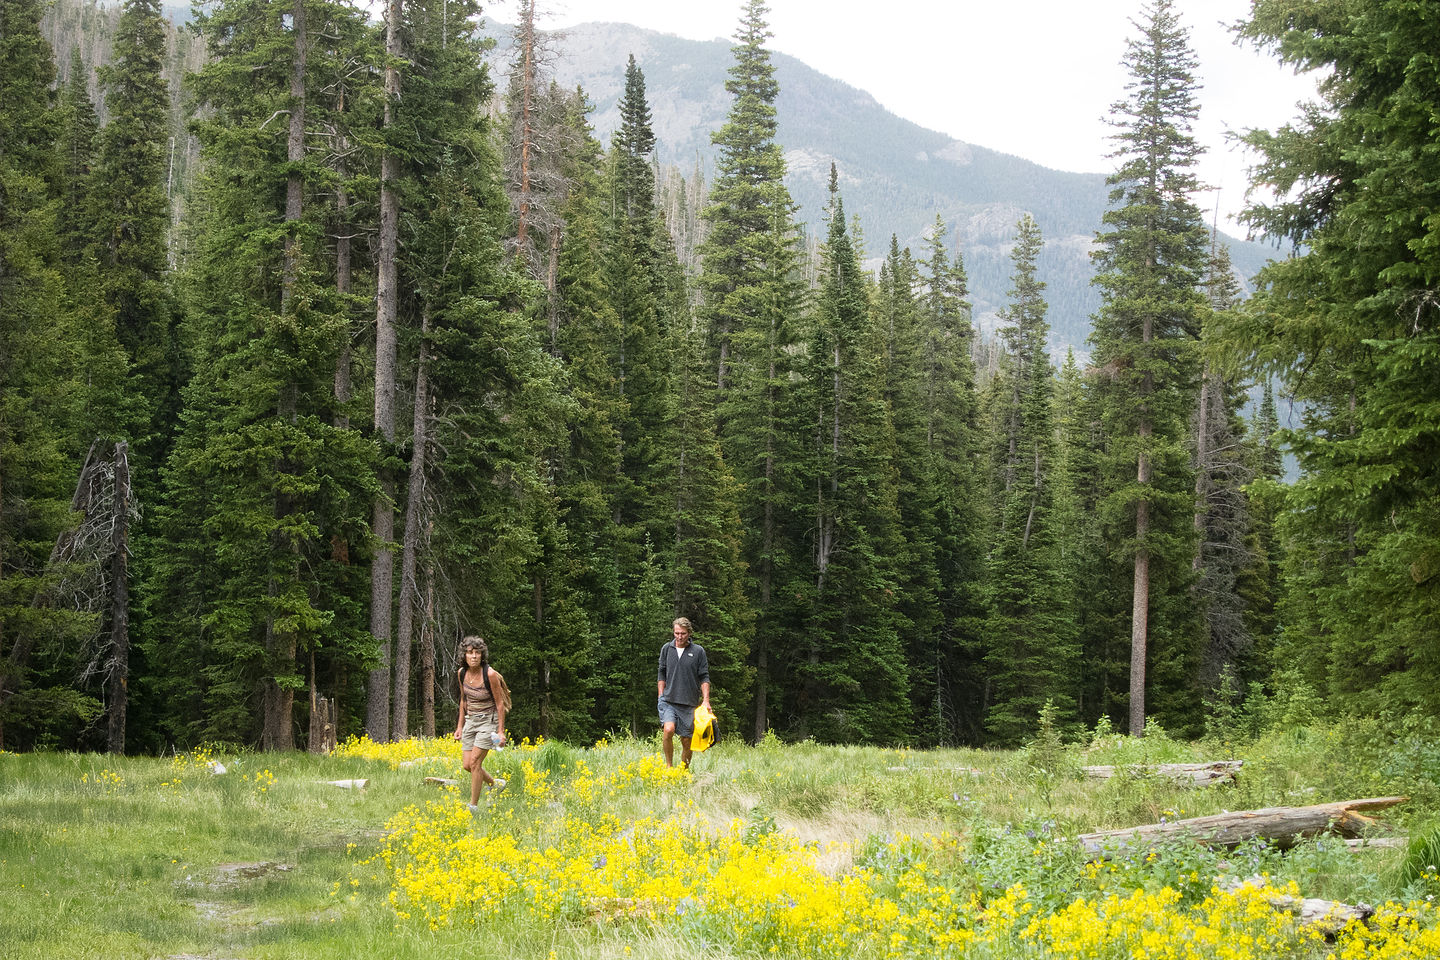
(1030, 658)
(262, 482)
(1151, 261)
(951, 656)
(918, 582)
(750, 302)
(1349, 327)
(134, 218)
(854, 681)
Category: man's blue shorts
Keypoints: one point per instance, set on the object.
(683, 716)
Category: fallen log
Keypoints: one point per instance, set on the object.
(440, 781)
(1327, 916)
(1282, 826)
(1195, 774)
(1378, 843)
(346, 784)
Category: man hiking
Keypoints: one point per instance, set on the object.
(683, 682)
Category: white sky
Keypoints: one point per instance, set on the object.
(1029, 77)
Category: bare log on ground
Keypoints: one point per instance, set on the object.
(1282, 826)
(1327, 916)
(1378, 843)
(1194, 774)
(440, 781)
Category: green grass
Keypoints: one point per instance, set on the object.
(123, 857)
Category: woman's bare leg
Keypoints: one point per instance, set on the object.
(478, 776)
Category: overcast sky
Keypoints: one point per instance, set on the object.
(1030, 77)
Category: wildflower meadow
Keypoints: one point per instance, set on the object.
(775, 850)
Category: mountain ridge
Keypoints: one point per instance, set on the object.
(894, 174)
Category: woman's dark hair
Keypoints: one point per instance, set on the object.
(473, 642)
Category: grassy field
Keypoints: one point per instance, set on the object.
(775, 850)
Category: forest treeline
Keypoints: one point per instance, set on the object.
(400, 356)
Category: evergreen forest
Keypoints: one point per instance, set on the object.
(321, 348)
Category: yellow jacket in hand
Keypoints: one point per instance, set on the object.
(704, 734)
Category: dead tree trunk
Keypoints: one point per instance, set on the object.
(1282, 826)
(70, 541)
(1194, 774)
(527, 119)
(118, 675)
(322, 716)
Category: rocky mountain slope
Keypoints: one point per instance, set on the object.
(894, 174)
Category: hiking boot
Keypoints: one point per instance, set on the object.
(499, 784)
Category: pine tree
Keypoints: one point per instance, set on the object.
(1265, 498)
(584, 462)
(33, 465)
(751, 299)
(1150, 262)
(918, 583)
(78, 138)
(1076, 535)
(540, 140)
(854, 677)
(261, 483)
(133, 215)
(951, 656)
(1222, 514)
(1362, 556)
(1031, 657)
(496, 398)
(378, 714)
(707, 572)
(638, 261)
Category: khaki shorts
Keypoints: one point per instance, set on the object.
(479, 730)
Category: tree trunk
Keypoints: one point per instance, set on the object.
(382, 567)
(312, 741)
(118, 675)
(295, 154)
(414, 503)
(342, 287)
(527, 99)
(427, 653)
(1034, 500)
(1282, 826)
(1140, 609)
(552, 287)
